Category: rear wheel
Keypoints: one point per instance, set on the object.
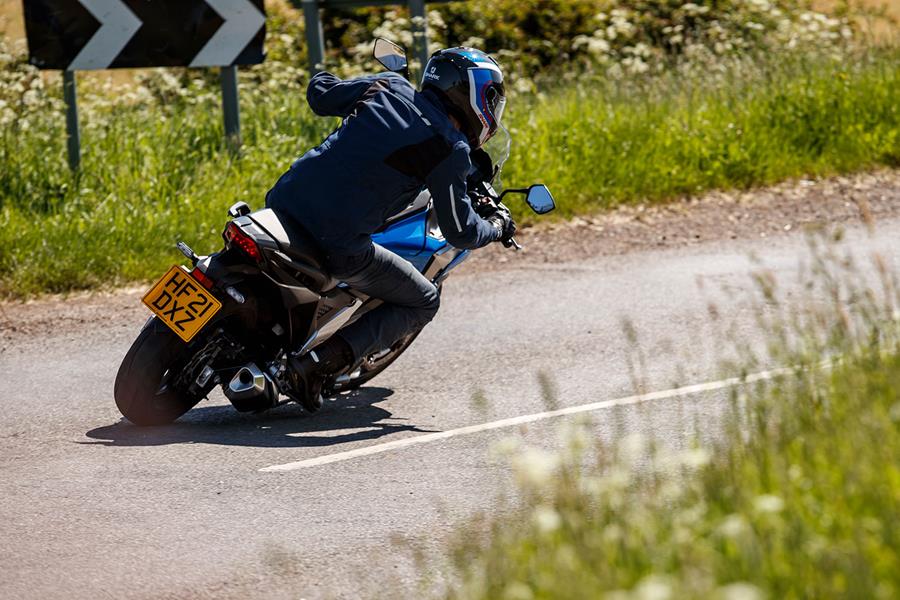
(144, 390)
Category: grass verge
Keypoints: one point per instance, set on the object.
(155, 173)
(798, 499)
(681, 134)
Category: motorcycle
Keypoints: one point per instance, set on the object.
(235, 316)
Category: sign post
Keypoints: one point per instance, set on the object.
(231, 109)
(73, 136)
(420, 32)
(75, 35)
(314, 38)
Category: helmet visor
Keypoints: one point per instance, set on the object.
(498, 147)
(487, 97)
(498, 111)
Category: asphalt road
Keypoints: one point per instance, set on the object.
(93, 507)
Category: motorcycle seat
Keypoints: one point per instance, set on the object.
(291, 238)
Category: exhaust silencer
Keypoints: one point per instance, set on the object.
(251, 390)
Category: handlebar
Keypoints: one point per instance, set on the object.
(485, 205)
(511, 242)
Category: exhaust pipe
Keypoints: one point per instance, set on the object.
(251, 390)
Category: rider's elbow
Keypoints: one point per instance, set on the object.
(460, 239)
(318, 86)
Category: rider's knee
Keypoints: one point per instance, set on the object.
(431, 305)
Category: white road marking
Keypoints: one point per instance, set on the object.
(521, 420)
(330, 433)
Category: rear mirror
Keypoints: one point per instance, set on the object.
(539, 199)
(391, 56)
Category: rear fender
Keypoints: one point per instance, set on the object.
(255, 318)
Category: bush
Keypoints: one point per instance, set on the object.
(564, 39)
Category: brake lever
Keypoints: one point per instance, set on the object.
(511, 242)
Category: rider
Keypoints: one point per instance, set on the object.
(393, 142)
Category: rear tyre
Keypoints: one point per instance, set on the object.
(141, 391)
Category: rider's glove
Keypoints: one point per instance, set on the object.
(482, 203)
(503, 225)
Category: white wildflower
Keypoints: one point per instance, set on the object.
(634, 446)
(695, 458)
(768, 503)
(546, 519)
(640, 49)
(733, 526)
(639, 66)
(654, 587)
(30, 98)
(505, 447)
(517, 591)
(739, 591)
(612, 533)
(523, 85)
(598, 46)
(534, 467)
(693, 9)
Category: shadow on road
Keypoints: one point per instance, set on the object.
(288, 426)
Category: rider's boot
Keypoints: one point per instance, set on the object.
(308, 373)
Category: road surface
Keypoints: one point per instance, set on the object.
(92, 507)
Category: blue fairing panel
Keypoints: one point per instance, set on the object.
(407, 239)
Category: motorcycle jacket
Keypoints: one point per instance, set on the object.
(393, 142)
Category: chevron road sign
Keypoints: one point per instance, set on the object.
(102, 34)
(78, 35)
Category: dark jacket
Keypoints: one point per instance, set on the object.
(393, 142)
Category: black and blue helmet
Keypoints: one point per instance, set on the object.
(470, 84)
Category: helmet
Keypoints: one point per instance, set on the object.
(470, 84)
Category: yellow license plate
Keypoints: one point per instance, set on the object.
(182, 303)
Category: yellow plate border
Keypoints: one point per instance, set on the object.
(207, 314)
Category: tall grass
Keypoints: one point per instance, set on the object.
(683, 133)
(154, 173)
(798, 499)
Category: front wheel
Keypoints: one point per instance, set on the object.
(143, 389)
(375, 363)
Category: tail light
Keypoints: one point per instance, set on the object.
(203, 278)
(235, 236)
